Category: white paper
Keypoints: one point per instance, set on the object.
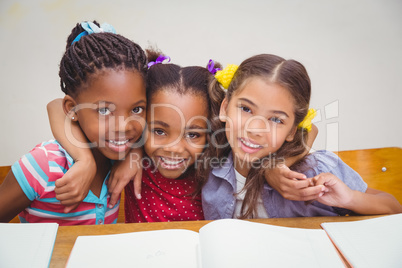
(235, 243)
(222, 243)
(26, 244)
(165, 248)
(369, 243)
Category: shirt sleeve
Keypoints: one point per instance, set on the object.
(32, 172)
(326, 161)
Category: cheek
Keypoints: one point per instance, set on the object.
(148, 146)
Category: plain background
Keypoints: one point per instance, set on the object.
(352, 50)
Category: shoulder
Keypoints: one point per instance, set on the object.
(320, 162)
(325, 161)
(46, 162)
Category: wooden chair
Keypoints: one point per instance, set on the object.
(380, 168)
(5, 169)
(3, 173)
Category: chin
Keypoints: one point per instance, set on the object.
(171, 175)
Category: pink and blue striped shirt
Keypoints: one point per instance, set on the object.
(37, 172)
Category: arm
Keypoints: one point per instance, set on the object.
(290, 184)
(12, 199)
(338, 194)
(73, 187)
(123, 172)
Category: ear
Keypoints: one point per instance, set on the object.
(291, 134)
(69, 108)
(222, 111)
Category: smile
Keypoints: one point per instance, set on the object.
(249, 144)
(171, 163)
(118, 146)
(118, 143)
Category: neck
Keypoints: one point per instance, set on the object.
(100, 159)
(241, 166)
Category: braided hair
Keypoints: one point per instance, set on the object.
(95, 52)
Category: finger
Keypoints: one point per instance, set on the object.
(299, 184)
(115, 194)
(62, 181)
(294, 175)
(137, 185)
(70, 202)
(70, 208)
(112, 184)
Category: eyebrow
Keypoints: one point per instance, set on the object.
(134, 104)
(159, 123)
(274, 111)
(164, 124)
(196, 127)
(247, 100)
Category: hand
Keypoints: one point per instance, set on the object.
(122, 173)
(292, 185)
(74, 186)
(336, 192)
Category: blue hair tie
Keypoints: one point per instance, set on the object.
(90, 28)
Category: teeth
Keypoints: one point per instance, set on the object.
(118, 142)
(170, 162)
(251, 145)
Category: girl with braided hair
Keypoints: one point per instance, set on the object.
(175, 137)
(103, 76)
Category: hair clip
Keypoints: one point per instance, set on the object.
(211, 68)
(90, 28)
(160, 59)
(306, 123)
(225, 76)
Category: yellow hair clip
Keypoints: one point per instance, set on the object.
(306, 123)
(225, 76)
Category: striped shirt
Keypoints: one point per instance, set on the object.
(37, 172)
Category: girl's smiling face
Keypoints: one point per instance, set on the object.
(259, 118)
(176, 132)
(111, 111)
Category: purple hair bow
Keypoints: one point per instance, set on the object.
(211, 68)
(160, 59)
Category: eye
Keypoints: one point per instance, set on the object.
(159, 132)
(138, 110)
(276, 120)
(104, 111)
(245, 109)
(193, 135)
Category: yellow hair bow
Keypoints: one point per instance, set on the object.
(225, 76)
(306, 123)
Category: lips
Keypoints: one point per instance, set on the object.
(171, 163)
(118, 145)
(249, 147)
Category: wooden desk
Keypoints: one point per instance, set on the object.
(67, 235)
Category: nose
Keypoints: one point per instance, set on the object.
(127, 124)
(175, 146)
(257, 125)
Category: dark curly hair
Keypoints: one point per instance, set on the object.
(95, 52)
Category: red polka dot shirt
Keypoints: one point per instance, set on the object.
(163, 199)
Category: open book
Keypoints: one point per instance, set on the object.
(369, 243)
(222, 243)
(26, 244)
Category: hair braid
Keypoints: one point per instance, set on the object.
(95, 52)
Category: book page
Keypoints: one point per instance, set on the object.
(369, 243)
(164, 248)
(26, 244)
(237, 243)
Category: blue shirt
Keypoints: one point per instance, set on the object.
(218, 200)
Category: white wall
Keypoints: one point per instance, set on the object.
(352, 50)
